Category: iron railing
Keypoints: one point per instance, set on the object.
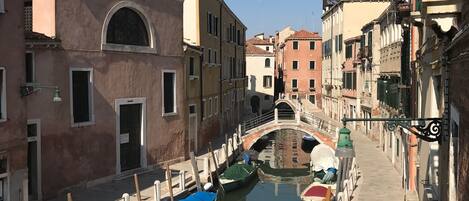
(321, 125)
(258, 121)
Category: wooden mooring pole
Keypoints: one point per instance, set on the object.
(170, 182)
(137, 188)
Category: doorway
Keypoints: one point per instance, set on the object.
(193, 141)
(34, 160)
(130, 134)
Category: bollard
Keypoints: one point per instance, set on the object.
(223, 153)
(182, 180)
(230, 147)
(157, 190)
(235, 141)
(206, 166)
(137, 187)
(217, 158)
(126, 197)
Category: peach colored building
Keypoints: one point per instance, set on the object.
(349, 78)
(119, 70)
(302, 69)
(13, 138)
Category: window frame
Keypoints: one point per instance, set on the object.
(314, 83)
(297, 65)
(33, 65)
(264, 81)
(151, 49)
(92, 120)
(174, 112)
(269, 63)
(3, 97)
(296, 87)
(312, 45)
(314, 66)
(309, 98)
(297, 45)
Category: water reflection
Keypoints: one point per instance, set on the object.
(285, 171)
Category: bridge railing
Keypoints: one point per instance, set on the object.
(318, 123)
(257, 121)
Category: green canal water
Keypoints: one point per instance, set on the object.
(285, 172)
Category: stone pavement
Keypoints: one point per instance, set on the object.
(378, 181)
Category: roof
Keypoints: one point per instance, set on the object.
(258, 41)
(39, 37)
(352, 39)
(303, 34)
(251, 49)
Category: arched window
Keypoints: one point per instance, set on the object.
(127, 27)
(267, 62)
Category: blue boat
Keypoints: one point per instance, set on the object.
(201, 196)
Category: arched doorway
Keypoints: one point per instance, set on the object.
(255, 104)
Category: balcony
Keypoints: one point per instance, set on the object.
(350, 93)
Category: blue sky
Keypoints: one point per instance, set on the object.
(269, 16)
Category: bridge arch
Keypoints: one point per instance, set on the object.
(250, 139)
(283, 103)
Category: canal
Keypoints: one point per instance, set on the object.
(284, 172)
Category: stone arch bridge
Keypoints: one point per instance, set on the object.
(289, 116)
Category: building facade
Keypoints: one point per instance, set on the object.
(302, 68)
(118, 69)
(13, 138)
(260, 69)
(349, 78)
(341, 21)
(219, 34)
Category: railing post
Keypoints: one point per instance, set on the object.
(157, 190)
(126, 197)
(182, 180)
(276, 116)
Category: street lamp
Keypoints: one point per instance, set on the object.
(31, 88)
(344, 152)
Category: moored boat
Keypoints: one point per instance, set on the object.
(317, 192)
(201, 196)
(237, 175)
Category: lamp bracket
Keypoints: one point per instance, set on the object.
(427, 129)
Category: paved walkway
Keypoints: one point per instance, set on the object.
(379, 180)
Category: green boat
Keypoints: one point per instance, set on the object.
(237, 176)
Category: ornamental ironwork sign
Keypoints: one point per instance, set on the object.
(427, 129)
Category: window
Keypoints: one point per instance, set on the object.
(209, 23)
(397, 147)
(312, 45)
(215, 105)
(312, 65)
(311, 84)
(312, 99)
(216, 26)
(215, 59)
(294, 96)
(81, 91)
(209, 55)
(294, 83)
(209, 107)
(3, 95)
(191, 66)
(340, 42)
(267, 48)
(204, 107)
(192, 109)
(2, 10)
(295, 45)
(295, 65)
(126, 27)
(267, 62)
(169, 92)
(267, 81)
(238, 37)
(348, 51)
(29, 62)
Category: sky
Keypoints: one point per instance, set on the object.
(269, 16)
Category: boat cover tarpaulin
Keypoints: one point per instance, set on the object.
(201, 196)
(323, 157)
(237, 172)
